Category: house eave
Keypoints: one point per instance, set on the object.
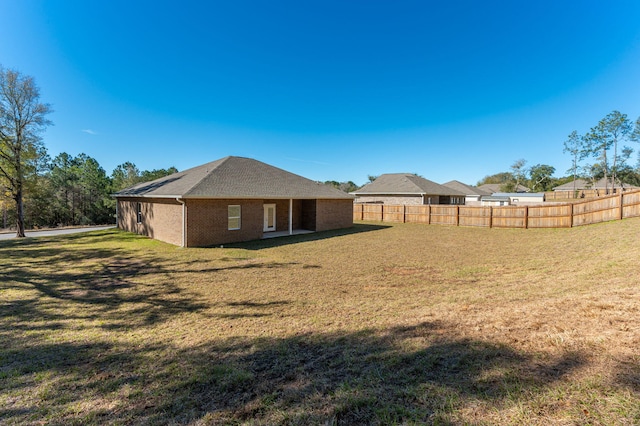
(231, 197)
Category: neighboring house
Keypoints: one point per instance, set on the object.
(472, 193)
(406, 188)
(230, 200)
(521, 198)
(492, 188)
(492, 200)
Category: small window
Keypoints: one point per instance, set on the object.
(234, 217)
(139, 212)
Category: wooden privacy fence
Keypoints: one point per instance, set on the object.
(603, 209)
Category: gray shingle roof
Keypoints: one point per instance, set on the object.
(579, 184)
(464, 188)
(492, 188)
(404, 184)
(234, 177)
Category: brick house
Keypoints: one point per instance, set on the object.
(407, 188)
(473, 194)
(230, 200)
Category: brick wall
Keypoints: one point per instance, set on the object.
(403, 200)
(333, 214)
(207, 222)
(282, 214)
(161, 219)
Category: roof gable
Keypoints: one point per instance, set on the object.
(404, 184)
(233, 177)
(495, 187)
(464, 188)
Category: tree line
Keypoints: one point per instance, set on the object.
(599, 153)
(68, 191)
(37, 191)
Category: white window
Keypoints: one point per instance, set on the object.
(139, 212)
(234, 217)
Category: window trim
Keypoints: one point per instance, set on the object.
(230, 217)
(138, 212)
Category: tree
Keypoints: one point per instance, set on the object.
(124, 176)
(64, 181)
(635, 135)
(148, 175)
(574, 146)
(498, 178)
(518, 173)
(540, 177)
(342, 186)
(93, 192)
(626, 173)
(611, 130)
(22, 120)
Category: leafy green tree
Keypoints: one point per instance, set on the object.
(81, 191)
(93, 190)
(541, 177)
(64, 181)
(342, 186)
(501, 178)
(124, 176)
(22, 121)
(148, 175)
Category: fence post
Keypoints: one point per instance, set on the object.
(490, 216)
(526, 217)
(457, 215)
(621, 207)
(404, 213)
(571, 216)
(381, 212)
(429, 214)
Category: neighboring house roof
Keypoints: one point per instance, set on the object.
(404, 184)
(465, 189)
(234, 177)
(570, 186)
(492, 188)
(581, 184)
(494, 198)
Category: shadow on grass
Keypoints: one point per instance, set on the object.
(88, 282)
(303, 238)
(418, 374)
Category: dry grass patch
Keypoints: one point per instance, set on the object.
(373, 325)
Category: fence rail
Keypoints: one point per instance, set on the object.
(603, 209)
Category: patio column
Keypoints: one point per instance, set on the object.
(291, 216)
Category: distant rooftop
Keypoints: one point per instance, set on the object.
(404, 184)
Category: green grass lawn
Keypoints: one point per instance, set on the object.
(398, 324)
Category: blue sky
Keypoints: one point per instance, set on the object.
(331, 90)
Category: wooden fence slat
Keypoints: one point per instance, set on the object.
(612, 207)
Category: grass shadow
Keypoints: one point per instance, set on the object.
(366, 377)
(303, 238)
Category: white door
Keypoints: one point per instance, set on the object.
(269, 217)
